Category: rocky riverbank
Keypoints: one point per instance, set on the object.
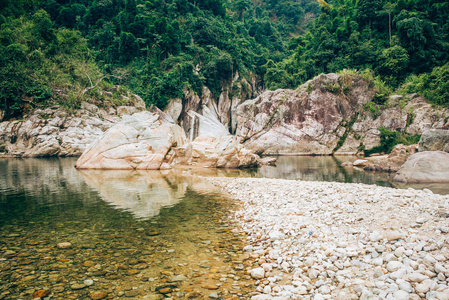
(327, 240)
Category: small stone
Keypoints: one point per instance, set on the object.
(417, 277)
(360, 162)
(444, 229)
(132, 293)
(88, 282)
(375, 236)
(401, 295)
(404, 285)
(165, 290)
(258, 273)
(424, 286)
(267, 289)
(64, 245)
(153, 297)
(97, 295)
(132, 272)
(325, 289)
(399, 252)
(213, 296)
(78, 286)
(393, 235)
(393, 266)
(177, 278)
(41, 293)
(209, 287)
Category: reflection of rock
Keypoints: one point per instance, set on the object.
(142, 193)
(427, 166)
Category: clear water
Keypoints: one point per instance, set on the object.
(322, 168)
(131, 232)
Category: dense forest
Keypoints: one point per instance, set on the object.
(61, 50)
(57, 48)
(404, 42)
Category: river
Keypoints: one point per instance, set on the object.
(133, 234)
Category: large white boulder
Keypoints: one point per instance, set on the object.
(140, 141)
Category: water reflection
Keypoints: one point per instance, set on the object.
(142, 193)
(321, 168)
(131, 231)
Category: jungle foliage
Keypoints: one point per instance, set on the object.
(163, 45)
(51, 50)
(395, 39)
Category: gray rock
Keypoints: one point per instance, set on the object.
(434, 140)
(422, 167)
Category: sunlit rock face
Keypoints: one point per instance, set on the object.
(141, 141)
(328, 115)
(142, 193)
(144, 142)
(310, 120)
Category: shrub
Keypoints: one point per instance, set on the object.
(391, 138)
(433, 86)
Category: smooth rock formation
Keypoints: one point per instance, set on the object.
(140, 141)
(427, 166)
(215, 147)
(311, 120)
(144, 142)
(434, 140)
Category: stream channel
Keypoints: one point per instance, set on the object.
(91, 234)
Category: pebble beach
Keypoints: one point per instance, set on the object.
(328, 240)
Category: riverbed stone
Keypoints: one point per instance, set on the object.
(258, 273)
(97, 295)
(326, 251)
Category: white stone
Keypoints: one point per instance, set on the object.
(258, 273)
(393, 266)
(424, 286)
(64, 245)
(401, 295)
(417, 277)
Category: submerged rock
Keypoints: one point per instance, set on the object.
(427, 166)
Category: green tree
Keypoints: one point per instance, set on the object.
(393, 63)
